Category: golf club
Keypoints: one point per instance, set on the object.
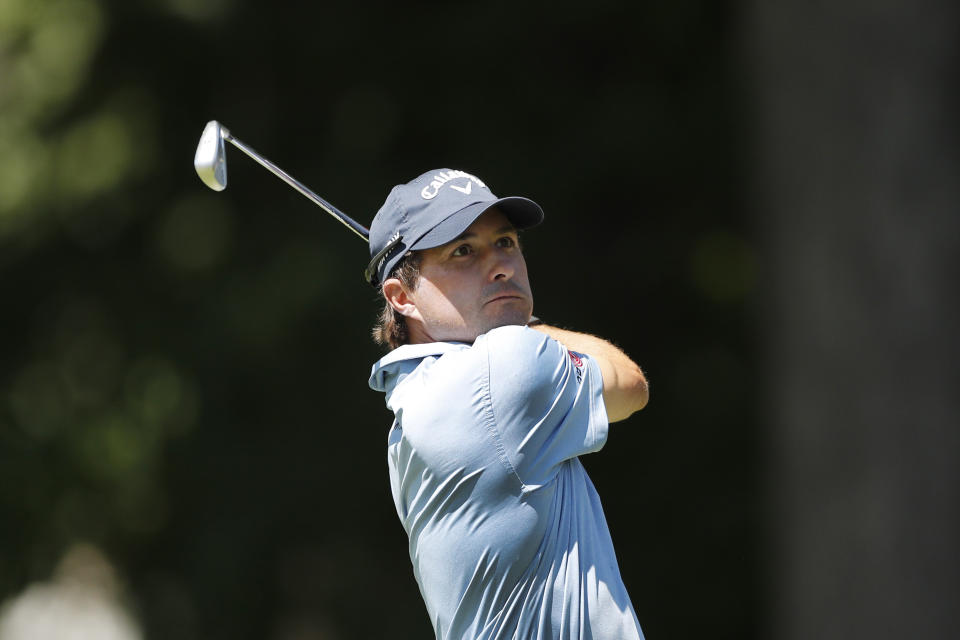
(210, 162)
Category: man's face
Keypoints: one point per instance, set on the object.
(471, 285)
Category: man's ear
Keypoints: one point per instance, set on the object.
(399, 298)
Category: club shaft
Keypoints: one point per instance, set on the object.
(347, 221)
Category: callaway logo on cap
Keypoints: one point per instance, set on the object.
(433, 209)
(441, 178)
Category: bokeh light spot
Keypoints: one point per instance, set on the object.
(94, 156)
(83, 600)
(112, 447)
(159, 396)
(54, 44)
(19, 180)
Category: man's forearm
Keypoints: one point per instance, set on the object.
(624, 385)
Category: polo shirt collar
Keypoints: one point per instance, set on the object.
(405, 358)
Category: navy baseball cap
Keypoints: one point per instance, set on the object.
(433, 209)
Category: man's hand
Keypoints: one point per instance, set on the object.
(624, 385)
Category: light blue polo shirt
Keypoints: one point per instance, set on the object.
(507, 535)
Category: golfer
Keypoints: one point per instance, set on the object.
(492, 410)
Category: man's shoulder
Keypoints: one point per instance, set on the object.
(512, 337)
(519, 348)
(510, 346)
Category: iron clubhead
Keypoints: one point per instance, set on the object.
(210, 160)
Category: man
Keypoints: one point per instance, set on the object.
(492, 408)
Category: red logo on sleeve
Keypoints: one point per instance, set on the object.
(577, 365)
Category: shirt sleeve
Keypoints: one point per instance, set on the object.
(547, 402)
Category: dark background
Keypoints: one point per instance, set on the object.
(757, 203)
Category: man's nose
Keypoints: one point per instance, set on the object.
(502, 268)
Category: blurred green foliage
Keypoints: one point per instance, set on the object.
(183, 373)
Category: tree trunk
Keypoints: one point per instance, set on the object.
(857, 192)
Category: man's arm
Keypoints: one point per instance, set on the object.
(624, 385)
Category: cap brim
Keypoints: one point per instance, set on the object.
(522, 213)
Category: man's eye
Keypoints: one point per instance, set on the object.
(462, 250)
(506, 242)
